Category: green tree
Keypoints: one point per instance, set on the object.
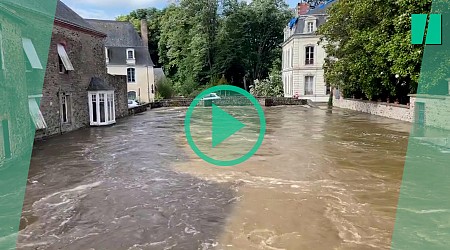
(368, 44)
(200, 41)
(153, 17)
(272, 86)
(164, 88)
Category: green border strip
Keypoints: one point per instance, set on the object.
(423, 211)
(25, 33)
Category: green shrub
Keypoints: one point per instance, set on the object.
(164, 88)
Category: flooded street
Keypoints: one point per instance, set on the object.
(321, 180)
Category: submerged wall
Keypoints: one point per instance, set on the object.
(263, 101)
(389, 110)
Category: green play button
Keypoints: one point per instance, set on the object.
(225, 125)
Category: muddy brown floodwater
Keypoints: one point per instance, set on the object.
(322, 179)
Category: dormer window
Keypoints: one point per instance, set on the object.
(310, 27)
(310, 24)
(131, 58)
(130, 54)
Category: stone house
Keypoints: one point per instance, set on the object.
(23, 52)
(127, 55)
(303, 58)
(77, 90)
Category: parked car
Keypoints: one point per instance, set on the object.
(132, 104)
(210, 96)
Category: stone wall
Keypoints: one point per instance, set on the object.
(86, 53)
(120, 94)
(281, 101)
(179, 102)
(263, 101)
(394, 111)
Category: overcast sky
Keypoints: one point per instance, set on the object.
(109, 9)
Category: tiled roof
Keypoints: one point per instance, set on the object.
(120, 34)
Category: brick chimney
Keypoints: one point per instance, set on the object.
(302, 8)
(144, 32)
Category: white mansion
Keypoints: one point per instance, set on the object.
(303, 58)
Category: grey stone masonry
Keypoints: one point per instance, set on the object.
(86, 53)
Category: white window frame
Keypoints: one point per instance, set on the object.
(107, 55)
(133, 52)
(66, 99)
(133, 79)
(109, 107)
(309, 19)
(313, 54)
(36, 113)
(64, 57)
(312, 84)
(309, 26)
(31, 53)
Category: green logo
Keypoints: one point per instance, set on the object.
(419, 24)
(225, 125)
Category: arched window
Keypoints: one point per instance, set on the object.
(131, 95)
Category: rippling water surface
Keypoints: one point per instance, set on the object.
(321, 180)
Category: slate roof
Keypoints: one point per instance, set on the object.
(320, 13)
(120, 34)
(62, 12)
(97, 84)
(159, 74)
(321, 9)
(66, 14)
(118, 56)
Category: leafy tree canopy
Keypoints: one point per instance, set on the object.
(369, 49)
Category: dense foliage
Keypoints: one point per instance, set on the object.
(369, 49)
(271, 86)
(164, 88)
(202, 43)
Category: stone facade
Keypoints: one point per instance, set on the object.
(303, 58)
(86, 52)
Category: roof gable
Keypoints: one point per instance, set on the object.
(119, 34)
(67, 15)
